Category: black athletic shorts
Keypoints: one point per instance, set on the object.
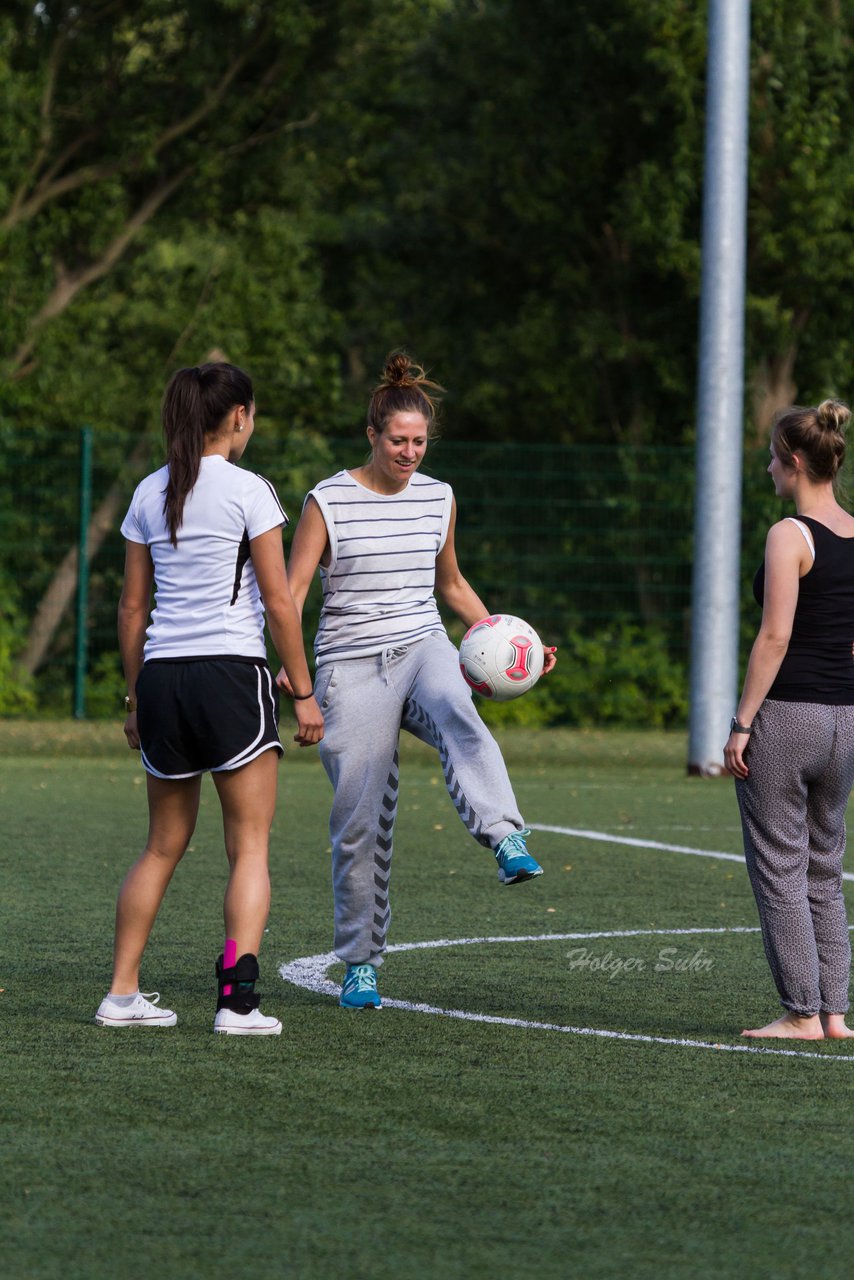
(200, 714)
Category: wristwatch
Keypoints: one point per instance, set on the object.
(130, 705)
(735, 727)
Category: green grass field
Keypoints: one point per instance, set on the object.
(400, 1143)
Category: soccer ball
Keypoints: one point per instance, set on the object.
(501, 657)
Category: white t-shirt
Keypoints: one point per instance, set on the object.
(378, 585)
(207, 602)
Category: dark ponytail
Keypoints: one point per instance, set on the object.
(194, 407)
(405, 388)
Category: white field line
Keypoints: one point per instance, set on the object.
(582, 834)
(309, 972)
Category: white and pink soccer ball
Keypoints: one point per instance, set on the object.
(501, 657)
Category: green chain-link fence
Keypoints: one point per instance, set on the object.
(591, 545)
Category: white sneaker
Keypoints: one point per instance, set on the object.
(229, 1023)
(142, 1013)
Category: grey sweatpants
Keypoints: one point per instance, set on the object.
(365, 703)
(801, 761)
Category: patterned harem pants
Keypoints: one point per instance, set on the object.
(792, 804)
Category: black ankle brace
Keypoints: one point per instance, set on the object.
(241, 977)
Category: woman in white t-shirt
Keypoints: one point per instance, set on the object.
(207, 537)
(383, 536)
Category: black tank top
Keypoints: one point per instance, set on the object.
(819, 666)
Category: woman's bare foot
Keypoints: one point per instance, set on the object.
(834, 1026)
(792, 1027)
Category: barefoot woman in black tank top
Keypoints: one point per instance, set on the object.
(791, 749)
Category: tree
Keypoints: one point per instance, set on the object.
(511, 189)
(527, 218)
(163, 199)
(114, 108)
(150, 213)
(801, 242)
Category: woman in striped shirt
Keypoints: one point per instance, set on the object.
(383, 538)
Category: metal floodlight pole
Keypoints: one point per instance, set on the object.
(717, 520)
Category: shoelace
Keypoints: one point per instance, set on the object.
(514, 845)
(362, 978)
(153, 997)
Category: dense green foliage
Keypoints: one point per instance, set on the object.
(511, 189)
(619, 675)
(16, 693)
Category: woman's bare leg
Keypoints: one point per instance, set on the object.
(248, 799)
(173, 806)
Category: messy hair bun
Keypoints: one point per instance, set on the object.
(404, 388)
(816, 435)
(832, 415)
(399, 371)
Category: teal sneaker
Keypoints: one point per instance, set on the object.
(515, 864)
(360, 988)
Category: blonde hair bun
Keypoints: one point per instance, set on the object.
(832, 415)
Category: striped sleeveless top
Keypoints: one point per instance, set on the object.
(378, 585)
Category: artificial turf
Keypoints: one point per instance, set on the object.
(402, 1143)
